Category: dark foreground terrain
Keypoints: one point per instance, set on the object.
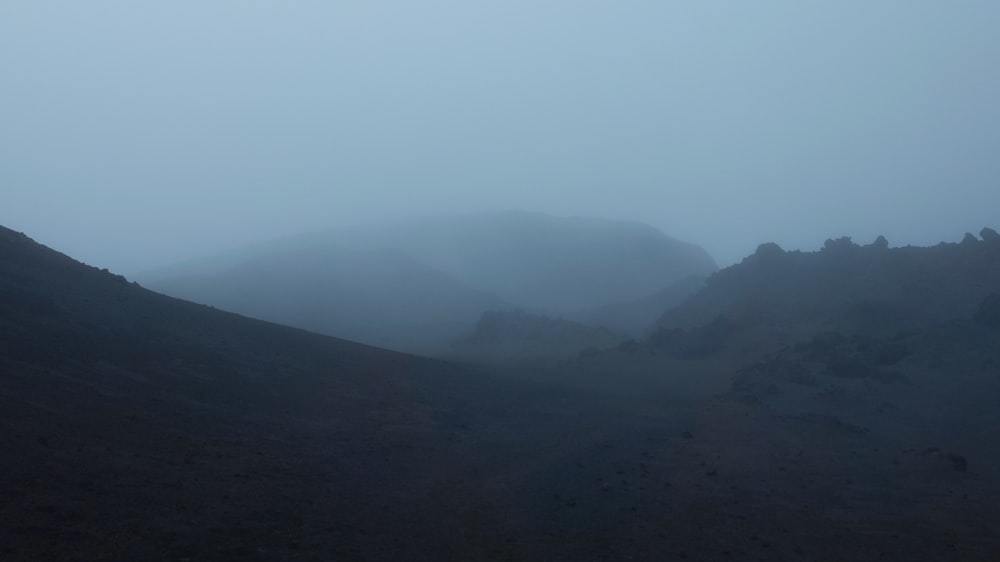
(138, 427)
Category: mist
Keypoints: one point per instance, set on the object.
(138, 135)
(488, 280)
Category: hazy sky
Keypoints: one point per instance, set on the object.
(138, 133)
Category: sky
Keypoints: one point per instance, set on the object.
(137, 134)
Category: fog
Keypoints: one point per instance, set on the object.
(137, 134)
(492, 280)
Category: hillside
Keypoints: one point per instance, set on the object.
(416, 285)
(137, 426)
(540, 262)
(379, 297)
(873, 289)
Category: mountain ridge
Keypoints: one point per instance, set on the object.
(491, 261)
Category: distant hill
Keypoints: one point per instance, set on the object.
(540, 262)
(415, 285)
(380, 297)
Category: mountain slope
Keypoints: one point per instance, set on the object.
(378, 297)
(870, 289)
(540, 262)
(435, 276)
(136, 426)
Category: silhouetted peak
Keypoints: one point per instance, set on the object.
(541, 262)
(767, 255)
(769, 249)
(969, 238)
(880, 243)
(989, 235)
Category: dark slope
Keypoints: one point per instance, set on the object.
(379, 297)
(136, 426)
(861, 413)
(871, 334)
(868, 389)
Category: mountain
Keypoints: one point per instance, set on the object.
(540, 262)
(379, 297)
(416, 285)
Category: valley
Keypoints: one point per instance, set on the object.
(138, 426)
